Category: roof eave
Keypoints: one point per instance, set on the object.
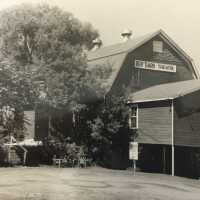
(166, 98)
(196, 70)
(149, 100)
(179, 50)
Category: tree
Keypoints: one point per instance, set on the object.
(16, 91)
(49, 43)
(110, 132)
(16, 88)
(46, 45)
(42, 32)
(43, 44)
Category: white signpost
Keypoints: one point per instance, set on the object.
(133, 153)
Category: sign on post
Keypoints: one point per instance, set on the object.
(133, 154)
(133, 151)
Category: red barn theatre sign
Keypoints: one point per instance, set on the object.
(155, 66)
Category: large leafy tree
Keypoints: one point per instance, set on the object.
(109, 132)
(49, 43)
(43, 44)
(43, 32)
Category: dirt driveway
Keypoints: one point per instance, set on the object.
(49, 183)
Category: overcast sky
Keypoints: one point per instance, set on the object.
(180, 19)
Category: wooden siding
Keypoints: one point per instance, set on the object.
(187, 130)
(154, 122)
(169, 56)
(128, 73)
(123, 80)
(41, 123)
(30, 126)
(188, 103)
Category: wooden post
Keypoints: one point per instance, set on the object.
(24, 160)
(172, 111)
(164, 159)
(9, 155)
(9, 150)
(134, 167)
(59, 163)
(49, 125)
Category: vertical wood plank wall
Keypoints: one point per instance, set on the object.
(154, 122)
(149, 77)
(187, 130)
(128, 72)
(30, 126)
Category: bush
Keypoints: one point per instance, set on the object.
(3, 155)
(110, 133)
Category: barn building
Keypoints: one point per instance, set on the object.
(166, 120)
(164, 99)
(143, 62)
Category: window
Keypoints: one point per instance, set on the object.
(157, 46)
(133, 119)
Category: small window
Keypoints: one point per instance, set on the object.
(157, 46)
(133, 118)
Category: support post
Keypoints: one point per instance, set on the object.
(164, 159)
(9, 155)
(134, 167)
(49, 125)
(172, 111)
(9, 150)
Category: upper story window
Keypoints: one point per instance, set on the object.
(133, 118)
(158, 46)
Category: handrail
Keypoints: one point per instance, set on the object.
(13, 142)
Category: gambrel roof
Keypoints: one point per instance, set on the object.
(123, 47)
(115, 55)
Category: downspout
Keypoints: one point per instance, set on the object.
(172, 135)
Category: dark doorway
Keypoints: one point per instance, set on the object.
(187, 162)
(154, 158)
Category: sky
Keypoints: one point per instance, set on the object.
(180, 19)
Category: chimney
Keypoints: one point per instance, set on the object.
(97, 44)
(126, 35)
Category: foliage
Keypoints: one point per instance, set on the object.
(42, 32)
(12, 122)
(50, 44)
(16, 91)
(2, 155)
(43, 44)
(67, 148)
(16, 88)
(108, 128)
(98, 78)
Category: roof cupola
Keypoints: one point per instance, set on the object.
(126, 34)
(96, 44)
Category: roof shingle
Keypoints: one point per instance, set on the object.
(165, 91)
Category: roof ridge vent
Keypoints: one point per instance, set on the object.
(96, 44)
(126, 34)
